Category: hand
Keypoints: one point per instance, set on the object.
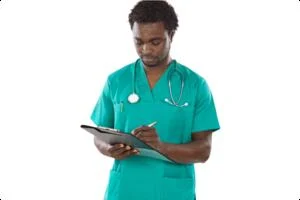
(121, 151)
(117, 151)
(148, 135)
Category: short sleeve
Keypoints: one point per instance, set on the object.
(103, 113)
(205, 115)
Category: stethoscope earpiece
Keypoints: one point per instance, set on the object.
(185, 104)
(173, 104)
(168, 101)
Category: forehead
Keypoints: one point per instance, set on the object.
(148, 30)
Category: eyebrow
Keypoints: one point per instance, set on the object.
(155, 38)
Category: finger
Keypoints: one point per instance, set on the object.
(121, 150)
(146, 135)
(151, 133)
(136, 130)
(135, 151)
(138, 134)
(142, 128)
(127, 154)
(118, 153)
(115, 147)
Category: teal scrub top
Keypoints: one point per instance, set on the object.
(138, 177)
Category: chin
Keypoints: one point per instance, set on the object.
(153, 63)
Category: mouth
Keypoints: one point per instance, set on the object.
(148, 59)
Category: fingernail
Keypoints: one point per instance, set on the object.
(128, 147)
(136, 151)
(121, 145)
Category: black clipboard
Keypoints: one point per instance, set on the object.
(113, 136)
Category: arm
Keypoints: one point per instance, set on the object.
(198, 150)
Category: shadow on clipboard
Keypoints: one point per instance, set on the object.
(113, 136)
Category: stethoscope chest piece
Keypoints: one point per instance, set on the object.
(133, 98)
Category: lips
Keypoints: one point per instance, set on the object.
(148, 59)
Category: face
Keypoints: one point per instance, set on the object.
(152, 42)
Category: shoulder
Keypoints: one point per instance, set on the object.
(121, 74)
(190, 76)
(197, 84)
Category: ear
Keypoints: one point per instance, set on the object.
(171, 35)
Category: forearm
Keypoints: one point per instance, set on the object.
(193, 152)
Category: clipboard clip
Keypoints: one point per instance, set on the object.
(109, 129)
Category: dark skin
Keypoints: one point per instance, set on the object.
(198, 150)
(153, 42)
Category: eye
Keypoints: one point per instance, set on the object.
(138, 42)
(156, 42)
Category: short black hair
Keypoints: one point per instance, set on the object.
(154, 11)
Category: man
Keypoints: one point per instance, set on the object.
(156, 88)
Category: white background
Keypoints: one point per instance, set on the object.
(56, 55)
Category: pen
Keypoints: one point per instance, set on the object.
(152, 124)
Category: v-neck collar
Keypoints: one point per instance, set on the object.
(143, 84)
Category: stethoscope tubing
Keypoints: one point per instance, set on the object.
(134, 98)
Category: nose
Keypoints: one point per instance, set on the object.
(146, 49)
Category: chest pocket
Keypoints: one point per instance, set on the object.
(176, 122)
(129, 116)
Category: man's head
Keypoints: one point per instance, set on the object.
(153, 24)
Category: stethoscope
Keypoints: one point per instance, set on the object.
(134, 97)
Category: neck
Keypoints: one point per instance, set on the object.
(159, 69)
